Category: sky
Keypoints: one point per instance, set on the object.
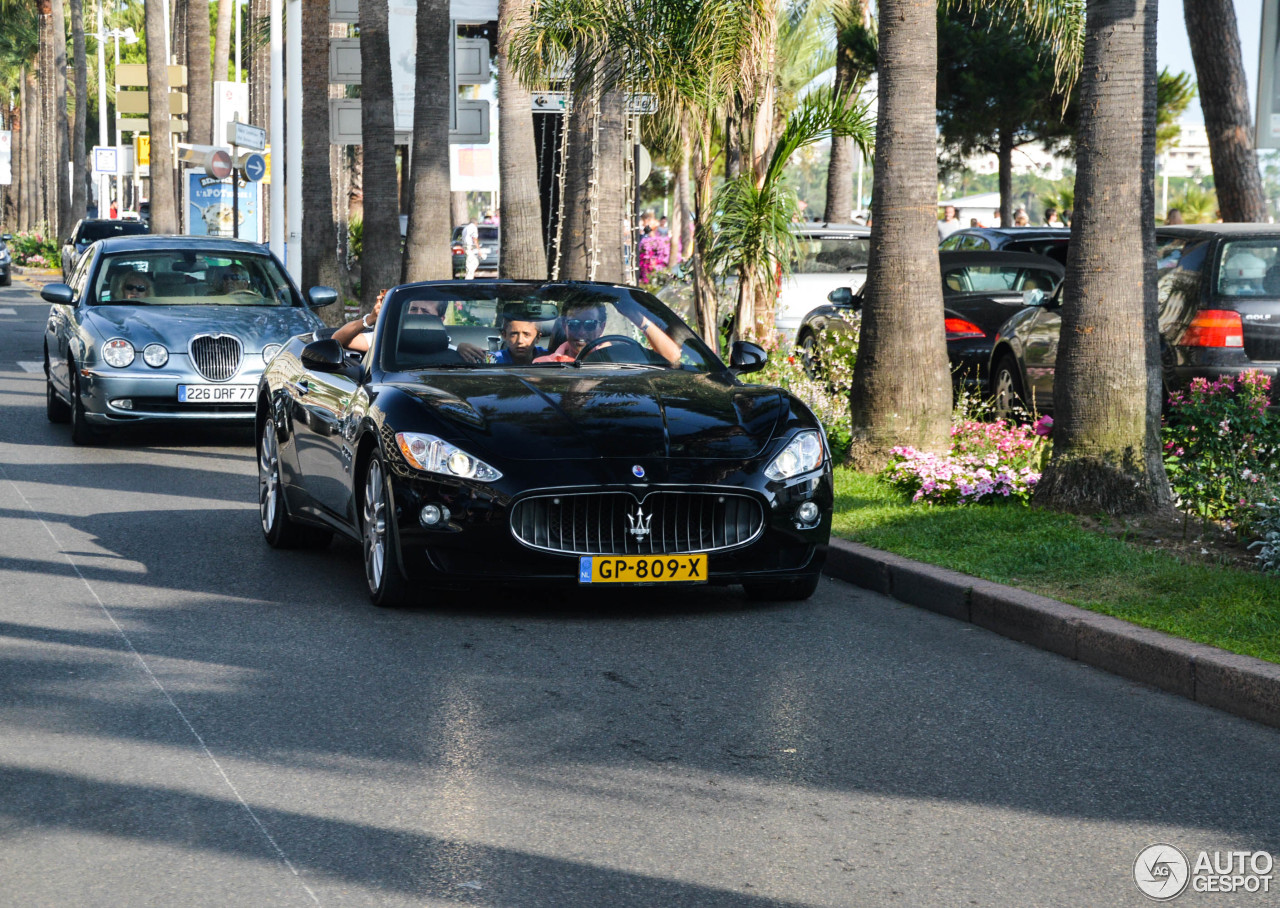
(1173, 50)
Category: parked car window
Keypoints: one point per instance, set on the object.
(81, 274)
(92, 231)
(1178, 288)
(1168, 252)
(952, 242)
(975, 243)
(1246, 268)
(831, 254)
(998, 279)
(195, 278)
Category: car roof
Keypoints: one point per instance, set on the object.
(949, 258)
(1222, 230)
(818, 230)
(153, 243)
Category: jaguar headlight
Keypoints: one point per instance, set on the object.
(269, 352)
(155, 355)
(435, 455)
(117, 352)
(802, 454)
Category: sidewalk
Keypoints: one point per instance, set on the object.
(1240, 685)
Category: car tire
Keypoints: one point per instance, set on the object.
(378, 538)
(1007, 398)
(81, 432)
(280, 529)
(810, 360)
(781, 590)
(55, 407)
(7, 281)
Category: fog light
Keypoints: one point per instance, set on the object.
(807, 512)
(122, 403)
(433, 515)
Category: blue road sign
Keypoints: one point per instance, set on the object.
(253, 166)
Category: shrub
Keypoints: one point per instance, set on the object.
(1221, 446)
(1267, 527)
(35, 249)
(988, 461)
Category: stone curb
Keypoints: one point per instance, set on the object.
(1240, 685)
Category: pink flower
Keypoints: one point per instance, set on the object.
(1043, 426)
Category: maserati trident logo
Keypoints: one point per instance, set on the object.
(638, 471)
(639, 523)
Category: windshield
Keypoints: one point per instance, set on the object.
(184, 277)
(832, 254)
(492, 325)
(93, 231)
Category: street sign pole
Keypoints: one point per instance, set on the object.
(235, 194)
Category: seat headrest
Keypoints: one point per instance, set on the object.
(421, 335)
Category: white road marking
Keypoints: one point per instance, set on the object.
(27, 365)
(8, 311)
(284, 859)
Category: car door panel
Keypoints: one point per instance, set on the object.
(322, 408)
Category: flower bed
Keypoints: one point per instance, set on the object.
(35, 249)
(988, 461)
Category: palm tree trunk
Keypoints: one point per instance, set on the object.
(380, 261)
(63, 133)
(591, 247)
(901, 391)
(427, 251)
(1103, 437)
(164, 207)
(79, 191)
(199, 84)
(260, 70)
(1224, 98)
(522, 254)
(222, 40)
(676, 220)
(21, 146)
(1004, 158)
(458, 208)
(839, 207)
(319, 257)
(704, 293)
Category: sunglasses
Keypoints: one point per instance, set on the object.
(590, 324)
(136, 288)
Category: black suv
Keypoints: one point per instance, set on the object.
(1050, 241)
(1219, 292)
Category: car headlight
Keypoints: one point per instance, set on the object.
(117, 352)
(155, 355)
(269, 352)
(802, 454)
(435, 455)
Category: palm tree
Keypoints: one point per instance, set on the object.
(199, 79)
(427, 251)
(79, 190)
(901, 383)
(222, 40)
(853, 41)
(1106, 433)
(521, 253)
(380, 263)
(1215, 49)
(319, 240)
(164, 208)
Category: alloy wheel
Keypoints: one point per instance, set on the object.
(268, 476)
(375, 525)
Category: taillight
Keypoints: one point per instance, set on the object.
(459, 250)
(959, 327)
(1214, 328)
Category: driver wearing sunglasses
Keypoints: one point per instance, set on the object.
(584, 323)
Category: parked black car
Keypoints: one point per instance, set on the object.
(90, 230)
(1219, 293)
(6, 261)
(1050, 241)
(614, 466)
(980, 291)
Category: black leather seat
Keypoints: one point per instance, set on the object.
(423, 343)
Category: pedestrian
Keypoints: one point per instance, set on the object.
(1020, 218)
(471, 247)
(663, 229)
(995, 218)
(949, 223)
(115, 212)
(1051, 218)
(1174, 216)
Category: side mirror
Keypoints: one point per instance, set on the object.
(1033, 297)
(844, 296)
(319, 297)
(324, 355)
(747, 357)
(59, 294)
(6, 237)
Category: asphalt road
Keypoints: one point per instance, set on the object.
(190, 718)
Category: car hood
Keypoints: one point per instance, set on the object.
(575, 414)
(256, 326)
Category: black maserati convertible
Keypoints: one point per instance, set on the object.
(541, 433)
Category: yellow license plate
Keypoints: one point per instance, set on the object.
(643, 569)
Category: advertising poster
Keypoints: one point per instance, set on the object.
(210, 208)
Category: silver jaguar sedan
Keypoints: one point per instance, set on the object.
(165, 329)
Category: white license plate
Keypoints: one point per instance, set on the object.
(216, 394)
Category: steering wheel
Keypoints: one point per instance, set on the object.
(606, 339)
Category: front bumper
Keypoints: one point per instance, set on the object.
(154, 398)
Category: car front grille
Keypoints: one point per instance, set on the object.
(620, 523)
(216, 356)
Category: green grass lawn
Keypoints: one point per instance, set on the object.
(1051, 554)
